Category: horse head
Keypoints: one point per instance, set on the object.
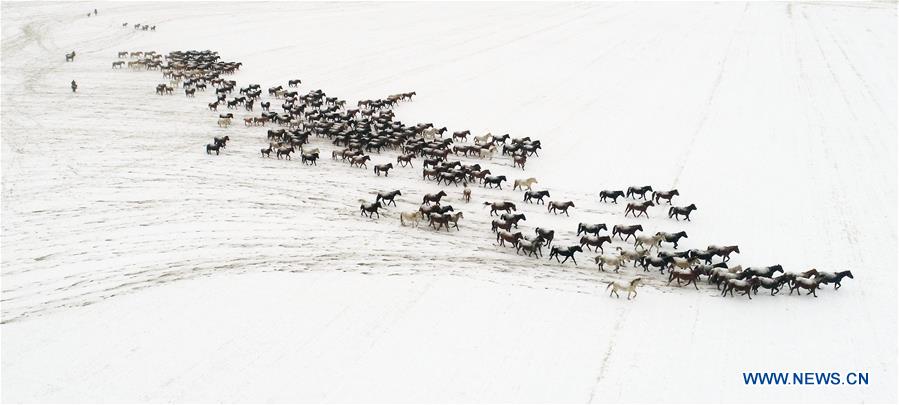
(776, 268)
(845, 273)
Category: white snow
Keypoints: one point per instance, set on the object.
(137, 268)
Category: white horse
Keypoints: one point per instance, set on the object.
(629, 287)
(524, 183)
(413, 217)
(483, 138)
(682, 263)
(308, 151)
(627, 255)
(224, 122)
(429, 134)
(610, 260)
(652, 241)
(488, 153)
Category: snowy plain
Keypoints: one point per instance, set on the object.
(137, 268)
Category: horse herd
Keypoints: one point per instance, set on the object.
(371, 127)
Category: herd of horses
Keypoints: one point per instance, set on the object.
(371, 127)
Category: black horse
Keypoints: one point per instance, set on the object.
(633, 191)
(613, 194)
(388, 197)
(763, 271)
(546, 234)
(835, 278)
(370, 209)
(567, 252)
(494, 180)
(672, 237)
(685, 211)
(213, 147)
(309, 158)
(513, 218)
(590, 228)
(383, 168)
(535, 195)
(435, 198)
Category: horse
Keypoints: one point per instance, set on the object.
(294, 83)
(773, 284)
(486, 138)
(383, 168)
(190, 92)
(547, 234)
(359, 161)
(266, 152)
(633, 191)
(638, 208)
(404, 160)
(494, 180)
(454, 219)
(835, 278)
(370, 209)
(513, 218)
(213, 147)
(613, 194)
(809, 284)
(461, 135)
(666, 195)
(705, 255)
(685, 211)
(221, 140)
(519, 161)
(629, 230)
(654, 241)
(413, 217)
(567, 252)
(690, 276)
(524, 183)
(610, 260)
(595, 241)
(466, 193)
(503, 236)
(632, 255)
(630, 287)
(655, 261)
(681, 263)
(284, 151)
(70, 57)
(531, 247)
(498, 224)
(437, 221)
(435, 198)
(535, 195)
(743, 286)
(118, 65)
(563, 206)
(388, 197)
(590, 228)
(764, 271)
(672, 237)
(507, 206)
(723, 251)
(309, 158)
(224, 122)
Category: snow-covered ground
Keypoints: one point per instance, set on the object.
(137, 268)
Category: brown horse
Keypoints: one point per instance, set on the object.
(555, 206)
(502, 237)
(638, 208)
(665, 195)
(629, 230)
(507, 206)
(433, 198)
(690, 276)
(595, 241)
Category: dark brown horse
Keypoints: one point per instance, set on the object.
(664, 195)
(433, 198)
(595, 241)
(603, 195)
(502, 237)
